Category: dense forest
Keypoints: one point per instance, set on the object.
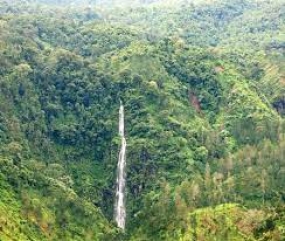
(203, 88)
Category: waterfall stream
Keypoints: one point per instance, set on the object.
(120, 209)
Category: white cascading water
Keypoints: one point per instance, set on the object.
(120, 209)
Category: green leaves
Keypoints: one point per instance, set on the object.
(197, 82)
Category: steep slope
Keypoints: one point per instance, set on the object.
(200, 121)
(224, 222)
(37, 203)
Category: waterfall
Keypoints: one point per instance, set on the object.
(120, 209)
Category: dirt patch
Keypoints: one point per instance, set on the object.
(194, 101)
(219, 69)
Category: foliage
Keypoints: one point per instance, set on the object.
(203, 89)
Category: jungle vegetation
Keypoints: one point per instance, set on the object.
(203, 86)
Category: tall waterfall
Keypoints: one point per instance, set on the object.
(120, 209)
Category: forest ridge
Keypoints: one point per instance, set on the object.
(202, 84)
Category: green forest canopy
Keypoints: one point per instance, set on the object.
(203, 88)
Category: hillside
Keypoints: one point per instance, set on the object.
(202, 84)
